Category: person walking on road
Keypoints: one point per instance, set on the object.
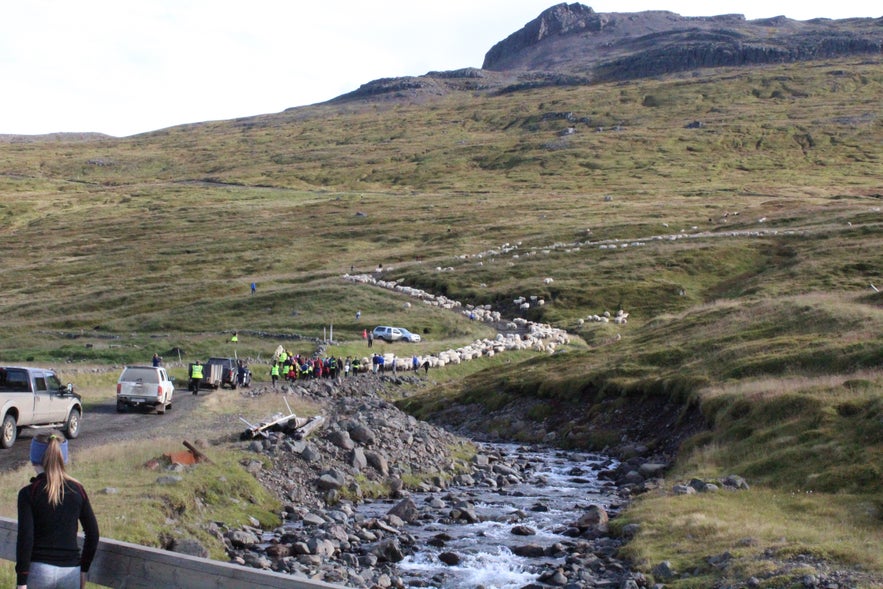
(47, 554)
(195, 376)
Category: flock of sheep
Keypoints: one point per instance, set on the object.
(520, 334)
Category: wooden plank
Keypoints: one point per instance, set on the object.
(122, 565)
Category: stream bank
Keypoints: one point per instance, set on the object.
(367, 495)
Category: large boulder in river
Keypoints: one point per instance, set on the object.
(388, 550)
(406, 510)
(594, 519)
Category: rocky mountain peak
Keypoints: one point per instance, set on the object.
(574, 39)
(561, 19)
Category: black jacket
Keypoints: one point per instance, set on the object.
(49, 534)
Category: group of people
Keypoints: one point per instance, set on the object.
(291, 367)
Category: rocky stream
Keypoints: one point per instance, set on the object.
(377, 498)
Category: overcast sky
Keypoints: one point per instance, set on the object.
(123, 67)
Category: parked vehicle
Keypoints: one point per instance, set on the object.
(145, 386)
(212, 375)
(229, 374)
(394, 334)
(409, 337)
(35, 397)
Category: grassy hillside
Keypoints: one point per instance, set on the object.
(734, 214)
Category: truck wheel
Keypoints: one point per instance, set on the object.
(121, 407)
(72, 425)
(8, 431)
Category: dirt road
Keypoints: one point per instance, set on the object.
(102, 425)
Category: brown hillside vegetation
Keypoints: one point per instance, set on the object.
(734, 213)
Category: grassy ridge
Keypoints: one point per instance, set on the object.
(744, 249)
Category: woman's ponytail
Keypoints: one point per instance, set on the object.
(53, 466)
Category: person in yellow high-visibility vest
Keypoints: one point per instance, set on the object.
(195, 376)
(235, 338)
(274, 373)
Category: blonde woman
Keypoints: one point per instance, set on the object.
(47, 555)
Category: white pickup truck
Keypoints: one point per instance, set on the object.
(145, 386)
(35, 397)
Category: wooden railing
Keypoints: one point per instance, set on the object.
(129, 566)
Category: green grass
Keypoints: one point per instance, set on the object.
(132, 507)
(759, 528)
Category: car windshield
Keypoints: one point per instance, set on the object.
(139, 375)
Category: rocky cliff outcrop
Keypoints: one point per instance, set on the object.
(574, 38)
(571, 44)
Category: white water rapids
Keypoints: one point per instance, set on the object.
(558, 487)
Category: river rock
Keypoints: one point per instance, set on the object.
(189, 546)
(632, 477)
(378, 462)
(683, 490)
(278, 551)
(663, 571)
(464, 512)
(736, 482)
(341, 439)
(331, 479)
(310, 518)
(357, 459)
(257, 561)
(449, 558)
(529, 551)
(243, 538)
(388, 551)
(594, 519)
(320, 547)
(362, 434)
(310, 453)
(406, 509)
(523, 531)
(652, 469)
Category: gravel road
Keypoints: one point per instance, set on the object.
(102, 424)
